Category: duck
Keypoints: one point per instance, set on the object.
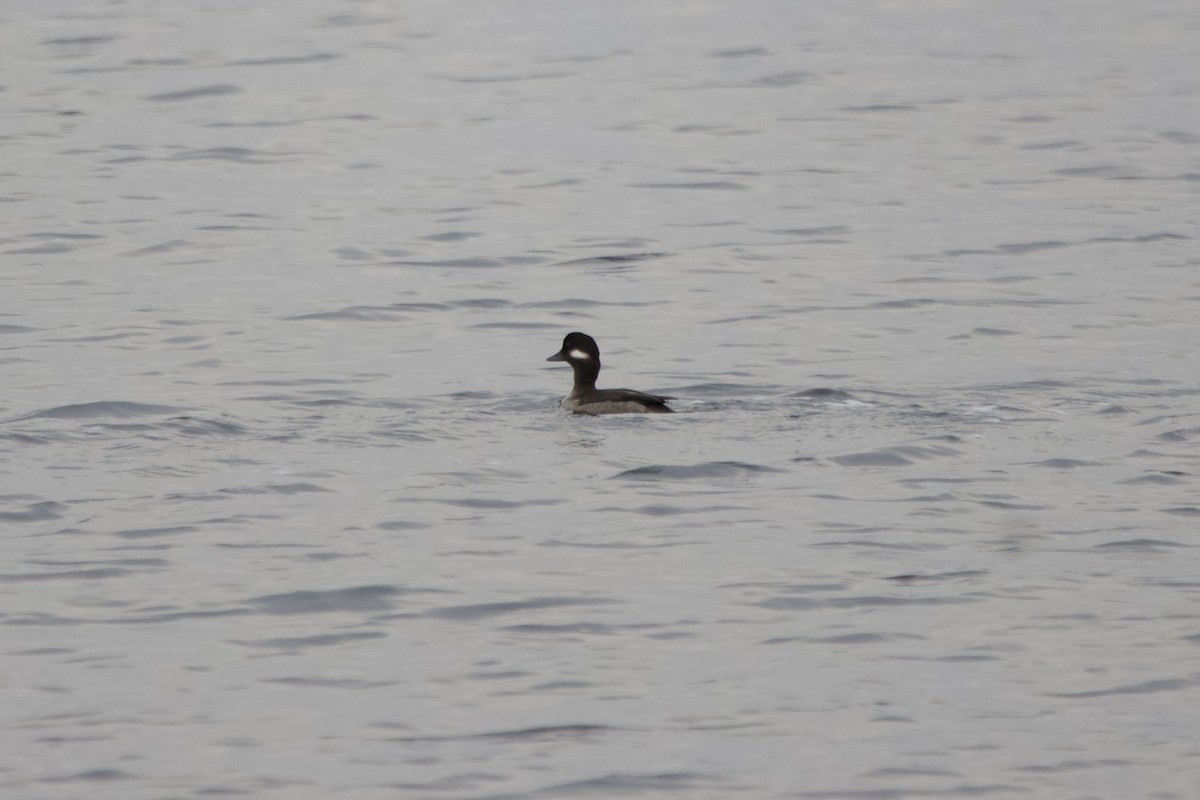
(581, 352)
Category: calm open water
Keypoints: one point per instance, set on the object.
(288, 508)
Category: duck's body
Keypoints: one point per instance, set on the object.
(615, 401)
(580, 351)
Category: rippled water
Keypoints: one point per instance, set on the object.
(288, 505)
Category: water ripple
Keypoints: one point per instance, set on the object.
(479, 611)
(119, 409)
(200, 92)
(707, 470)
(355, 599)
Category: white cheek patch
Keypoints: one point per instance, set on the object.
(579, 355)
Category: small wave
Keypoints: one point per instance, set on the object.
(1115, 409)
(581, 302)
(276, 488)
(150, 533)
(470, 613)
(870, 601)
(49, 248)
(78, 41)
(620, 258)
(518, 326)
(880, 107)
(1020, 248)
(1064, 463)
(119, 409)
(824, 230)
(778, 79)
(34, 512)
(710, 469)
(196, 426)
(685, 784)
(701, 185)
(509, 78)
(238, 155)
(909, 302)
(356, 314)
(1140, 544)
(1155, 477)
(1148, 687)
(664, 510)
(740, 52)
(900, 456)
(456, 263)
(1183, 511)
(541, 733)
(91, 574)
(312, 58)
(355, 598)
(1007, 506)
(916, 577)
(102, 775)
(823, 394)
(876, 458)
(724, 389)
(215, 90)
(1179, 435)
(301, 642)
(483, 503)
(331, 683)
(849, 638)
(585, 628)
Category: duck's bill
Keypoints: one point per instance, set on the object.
(557, 357)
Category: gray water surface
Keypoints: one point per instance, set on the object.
(288, 508)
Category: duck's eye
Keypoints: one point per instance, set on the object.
(579, 354)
